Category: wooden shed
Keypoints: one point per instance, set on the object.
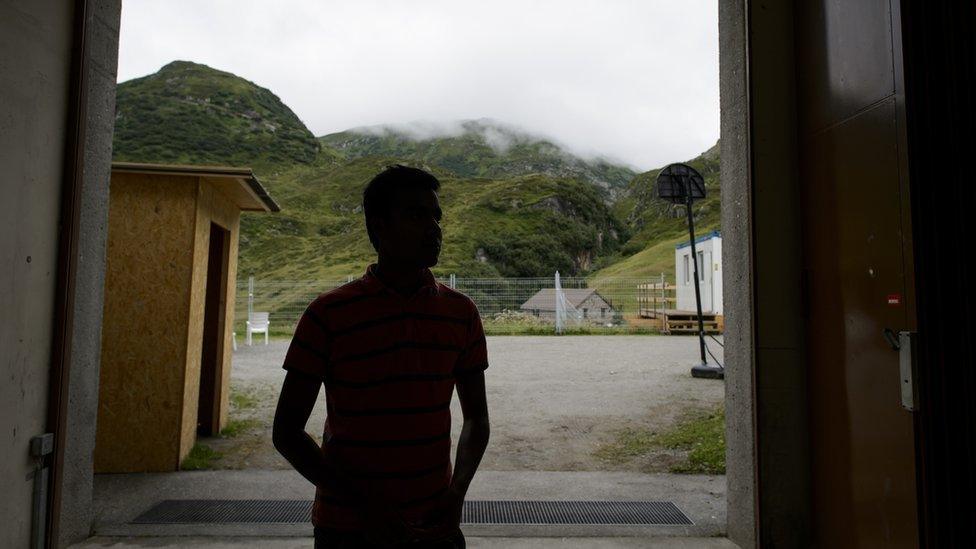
(171, 265)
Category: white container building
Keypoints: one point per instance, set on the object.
(709, 248)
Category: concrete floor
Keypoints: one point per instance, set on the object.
(120, 498)
(554, 400)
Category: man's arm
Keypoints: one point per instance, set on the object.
(471, 447)
(475, 431)
(298, 395)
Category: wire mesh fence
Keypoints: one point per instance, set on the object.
(507, 305)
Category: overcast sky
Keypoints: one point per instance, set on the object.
(633, 80)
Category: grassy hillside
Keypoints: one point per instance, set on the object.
(484, 149)
(190, 113)
(656, 226)
(514, 204)
(519, 226)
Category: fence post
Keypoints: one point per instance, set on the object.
(664, 294)
(650, 290)
(250, 296)
(453, 281)
(560, 311)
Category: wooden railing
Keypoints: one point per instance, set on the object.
(654, 298)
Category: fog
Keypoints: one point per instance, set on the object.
(631, 80)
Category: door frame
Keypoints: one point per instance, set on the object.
(768, 483)
(767, 428)
(67, 265)
(768, 473)
(214, 324)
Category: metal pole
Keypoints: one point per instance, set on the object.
(250, 296)
(560, 312)
(694, 259)
(41, 446)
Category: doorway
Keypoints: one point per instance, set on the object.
(776, 454)
(214, 318)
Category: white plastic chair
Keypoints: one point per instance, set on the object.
(257, 323)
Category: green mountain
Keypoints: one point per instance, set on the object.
(519, 226)
(192, 114)
(514, 205)
(480, 148)
(656, 225)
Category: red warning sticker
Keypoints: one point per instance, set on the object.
(894, 299)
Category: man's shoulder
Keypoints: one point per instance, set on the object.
(456, 299)
(350, 291)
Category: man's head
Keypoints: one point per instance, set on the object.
(403, 215)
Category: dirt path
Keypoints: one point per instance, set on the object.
(553, 400)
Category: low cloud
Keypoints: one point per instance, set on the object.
(630, 79)
(500, 136)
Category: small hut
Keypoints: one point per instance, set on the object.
(171, 265)
(588, 301)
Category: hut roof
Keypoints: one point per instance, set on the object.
(239, 183)
(545, 299)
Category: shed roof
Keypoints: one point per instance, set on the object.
(545, 299)
(240, 184)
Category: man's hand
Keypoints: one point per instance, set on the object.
(384, 526)
(445, 517)
(298, 395)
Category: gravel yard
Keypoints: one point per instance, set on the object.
(554, 400)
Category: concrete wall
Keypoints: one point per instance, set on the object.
(737, 259)
(79, 447)
(766, 407)
(155, 289)
(782, 425)
(35, 56)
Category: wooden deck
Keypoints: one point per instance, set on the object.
(676, 321)
(655, 301)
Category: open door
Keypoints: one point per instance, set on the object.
(214, 319)
(858, 277)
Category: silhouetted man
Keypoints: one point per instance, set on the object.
(390, 348)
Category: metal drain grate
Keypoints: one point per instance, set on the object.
(217, 511)
(573, 512)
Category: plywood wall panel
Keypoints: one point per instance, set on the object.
(194, 329)
(147, 295)
(159, 240)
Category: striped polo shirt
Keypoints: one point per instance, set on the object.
(389, 364)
